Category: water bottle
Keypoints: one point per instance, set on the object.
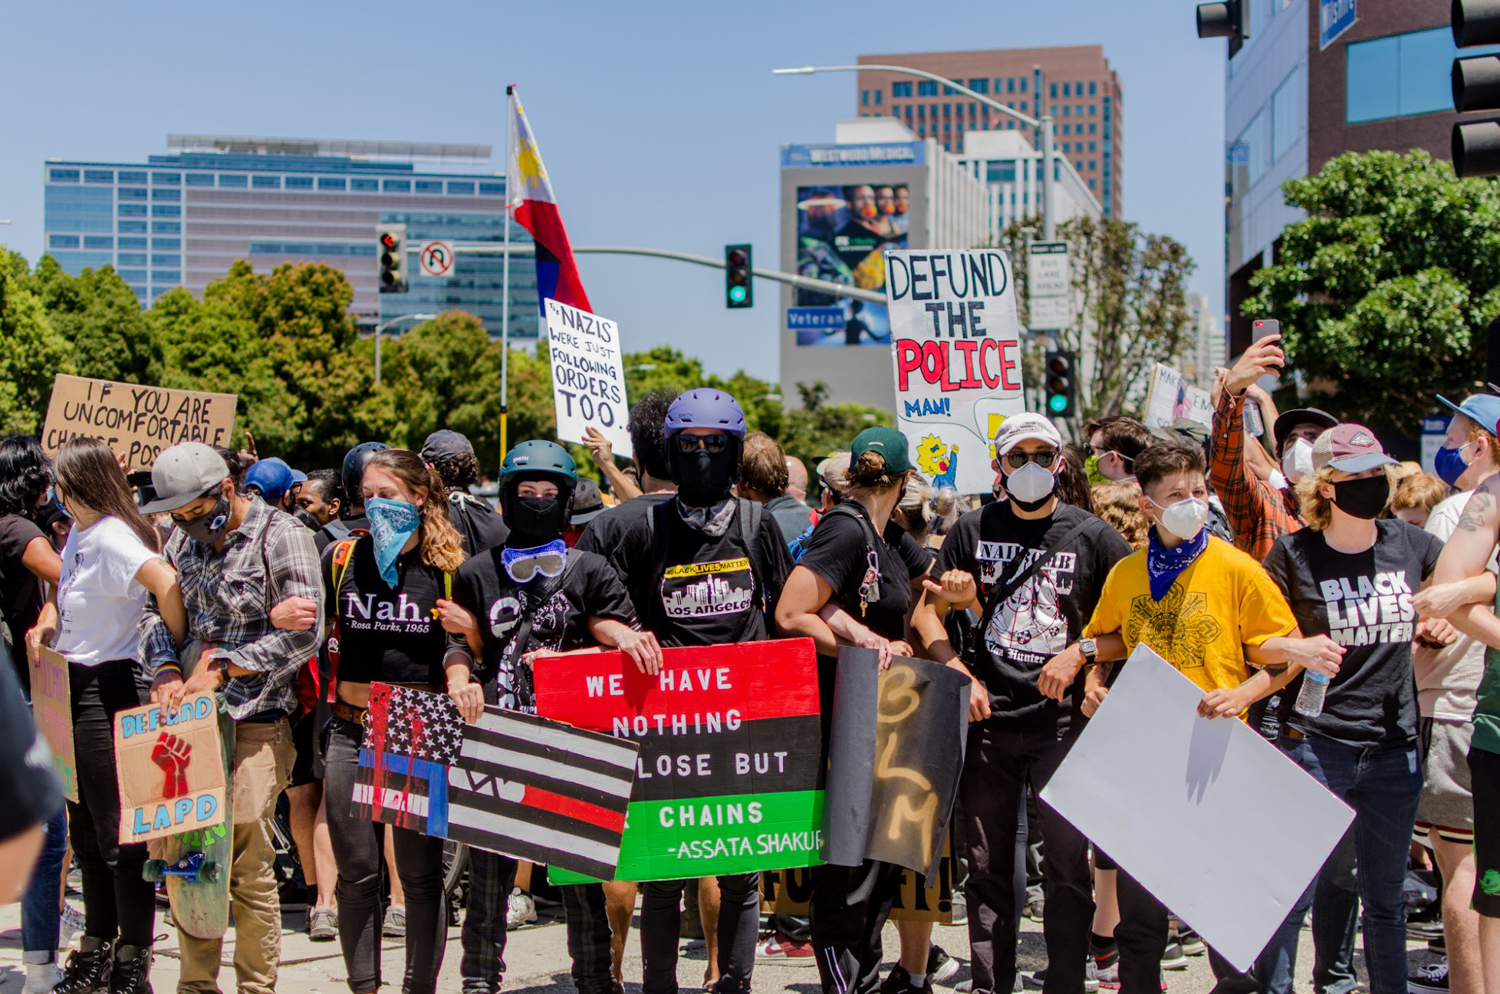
(1314, 689)
(1254, 423)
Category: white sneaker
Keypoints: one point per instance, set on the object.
(520, 910)
(41, 978)
(70, 925)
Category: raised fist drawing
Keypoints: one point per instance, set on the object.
(171, 754)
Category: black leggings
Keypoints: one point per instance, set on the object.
(117, 901)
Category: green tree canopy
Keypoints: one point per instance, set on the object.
(99, 314)
(32, 352)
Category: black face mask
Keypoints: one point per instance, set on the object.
(537, 518)
(1362, 498)
(208, 528)
(703, 477)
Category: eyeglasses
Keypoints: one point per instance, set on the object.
(715, 444)
(1017, 458)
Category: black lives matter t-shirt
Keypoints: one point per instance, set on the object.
(1045, 615)
(842, 553)
(1363, 602)
(388, 635)
(587, 588)
(602, 535)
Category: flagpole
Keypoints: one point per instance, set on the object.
(510, 128)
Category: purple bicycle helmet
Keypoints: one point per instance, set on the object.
(705, 407)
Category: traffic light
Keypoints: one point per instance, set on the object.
(1061, 382)
(1476, 86)
(738, 286)
(1230, 19)
(391, 249)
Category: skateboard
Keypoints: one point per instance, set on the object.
(195, 865)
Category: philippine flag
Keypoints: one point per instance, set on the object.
(535, 209)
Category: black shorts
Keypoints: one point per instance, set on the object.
(1485, 768)
(1102, 860)
(303, 733)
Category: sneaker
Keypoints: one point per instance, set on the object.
(940, 966)
(1192, 943)
(1174, 958)
(395, 924)
(70, 924)
(41, 978)
(1424, 931)
(323, 924)
(520, 910)
(964, 986)
(898, 981)
(1090, 977)
(1429, 979)
(778, 947)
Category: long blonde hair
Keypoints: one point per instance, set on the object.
(441, 545)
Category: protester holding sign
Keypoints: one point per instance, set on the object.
(110, 567)
(383, 589)
(1039, 565)
(534, 596)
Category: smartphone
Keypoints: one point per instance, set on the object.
(1264, 327)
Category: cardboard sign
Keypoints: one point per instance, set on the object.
(1172, 397)
(588, 380)
(52, 708)
(896, 754)
(1163, 791)
(957, 352)
(789, 892)
(729, 777)
(137, 421)
(171, 769)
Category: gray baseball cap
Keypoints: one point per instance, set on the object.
(184, 473)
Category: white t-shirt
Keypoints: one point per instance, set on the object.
(99, 600)
(1448, 678)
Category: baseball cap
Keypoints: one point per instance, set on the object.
(834, 470)
(1481, 408)
(445, 442)
(588, 502)
(889, 442)
(184, 473)
(1351, 448)
(1018, 427)
(1183, 430)
(1287, 420)
(272, 477)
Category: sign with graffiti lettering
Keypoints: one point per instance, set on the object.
(729, 777)
(52, 708)
(896, 753)
(171, 769)
(789, 892)
(956, 344)
(137, 421)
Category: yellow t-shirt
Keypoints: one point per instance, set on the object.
(1215, 607)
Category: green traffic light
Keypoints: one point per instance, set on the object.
(1057, 403)
(737, 294)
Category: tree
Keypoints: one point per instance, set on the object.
(99, 314)
(31, 350)
(1129, 306)
(818, 427)
(1384, 290)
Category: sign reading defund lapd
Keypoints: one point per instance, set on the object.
(957, 351)
(729, 777)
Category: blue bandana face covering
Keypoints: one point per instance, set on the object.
(523, 565)
(392, 523)
(1163, 564)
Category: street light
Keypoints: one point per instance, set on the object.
(379, 328)
(1048, 228)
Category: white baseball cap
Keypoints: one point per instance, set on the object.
(1019, 427)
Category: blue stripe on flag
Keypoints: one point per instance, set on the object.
(423, 769)
(437, 805)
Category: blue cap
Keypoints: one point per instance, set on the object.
(1481, 408)
(298, 477)
(272, 477)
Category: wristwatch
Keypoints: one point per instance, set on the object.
(1090, 649)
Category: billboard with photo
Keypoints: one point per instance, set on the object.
(843, 232)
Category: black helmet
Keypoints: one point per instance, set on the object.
(537, 459)
(354, 470)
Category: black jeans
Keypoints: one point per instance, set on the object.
(849, 907)
(360, 855)
(661, 920)
(992, 795)
(117, 900)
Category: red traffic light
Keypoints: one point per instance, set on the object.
(736, 257)
(1059, 365)
(389, 240)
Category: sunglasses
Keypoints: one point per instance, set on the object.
(715, 444)
(1017, 458)
(522, 565)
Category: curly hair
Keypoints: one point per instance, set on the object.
(1119, 504)
(648, 427)
(25, 474)
(459, 470)
(441, 545)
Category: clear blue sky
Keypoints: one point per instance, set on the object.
(659, 122)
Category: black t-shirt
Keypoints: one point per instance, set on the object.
(1046, 615)
(20, 590)
(339, 529)
(841, 553)
(480, 525)
(1363, 602)
(29, 792)
(588, 588)
(707, 591)
(602, 535)
(917, 557)
(384, 634)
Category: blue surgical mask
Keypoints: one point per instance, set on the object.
(392, 523)
(1450, 464)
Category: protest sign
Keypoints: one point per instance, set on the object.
(588, 380)
(52, 707)
(957, 352)
(729, 777)
(896, 753)
(171, 769)
(512, 783)
(137, 421)
(789, 892)
(1191, 785)
(1171, 397)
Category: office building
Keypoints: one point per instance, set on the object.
(1205, 346)
(1316, 79)
(182, 218)
(1010, 168)
(1075, 84)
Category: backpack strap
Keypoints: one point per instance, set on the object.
(1002, 592)
(342, 553)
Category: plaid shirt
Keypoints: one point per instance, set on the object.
(229, 595)
(1258, 512)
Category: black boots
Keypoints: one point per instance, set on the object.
(88, 970)
(132, 972)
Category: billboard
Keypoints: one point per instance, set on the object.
(843, 232)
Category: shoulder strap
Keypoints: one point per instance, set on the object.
(659, 531)
(749, 513)
(549, 586)
(1002, 592)
(342, 553)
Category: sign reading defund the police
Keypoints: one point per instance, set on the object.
(957, 350)
(730, 774)
(171, 769)
(588, 380)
